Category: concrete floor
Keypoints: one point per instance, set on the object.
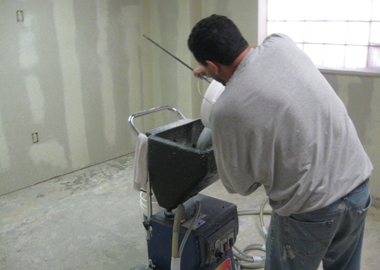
(90, 219)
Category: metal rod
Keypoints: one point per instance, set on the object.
(175, 57)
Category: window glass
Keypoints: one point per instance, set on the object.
(296, 30)
(358, 33)
(312, 10)
(376, 10)
(277, 10)
(358, 10)
(333, 55)
(375, 33)
(374, 59)
(314, 32)
(315, 52)
(276, 27)
(334, 33)
(335, 10)
(356, 57)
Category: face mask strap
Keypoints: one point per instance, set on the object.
(200, 93)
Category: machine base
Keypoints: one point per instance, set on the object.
(209, 245)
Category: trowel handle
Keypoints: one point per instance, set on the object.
(153, 110)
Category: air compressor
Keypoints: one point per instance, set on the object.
(194, 231)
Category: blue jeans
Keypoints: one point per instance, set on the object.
(333, 235)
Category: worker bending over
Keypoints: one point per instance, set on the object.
(280, 124)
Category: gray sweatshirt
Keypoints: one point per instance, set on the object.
(280, 124)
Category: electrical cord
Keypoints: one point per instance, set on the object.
(198, 211)
(262, 217)
(177, 253)
(176, 257)
(199, 92)
(176, 227)
(244, 260)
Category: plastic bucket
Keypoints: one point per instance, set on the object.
(144, 206)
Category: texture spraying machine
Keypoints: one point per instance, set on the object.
(194, 231)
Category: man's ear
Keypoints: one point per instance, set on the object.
(213, 66)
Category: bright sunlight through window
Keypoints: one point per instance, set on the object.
(334, 33)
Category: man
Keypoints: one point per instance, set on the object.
(279, 124)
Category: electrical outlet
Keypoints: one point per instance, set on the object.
(35, 137)
(20, 16)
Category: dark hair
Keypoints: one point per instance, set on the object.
(216, 38)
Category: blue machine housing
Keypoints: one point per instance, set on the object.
(209, 245)
(178, 171)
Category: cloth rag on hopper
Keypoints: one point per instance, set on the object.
(140, 168)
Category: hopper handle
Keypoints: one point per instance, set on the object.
(153, 110)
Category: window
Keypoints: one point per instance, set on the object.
(334, 33)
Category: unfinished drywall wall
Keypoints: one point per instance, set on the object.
(71, 72)
(168, 82)
(361, 95)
